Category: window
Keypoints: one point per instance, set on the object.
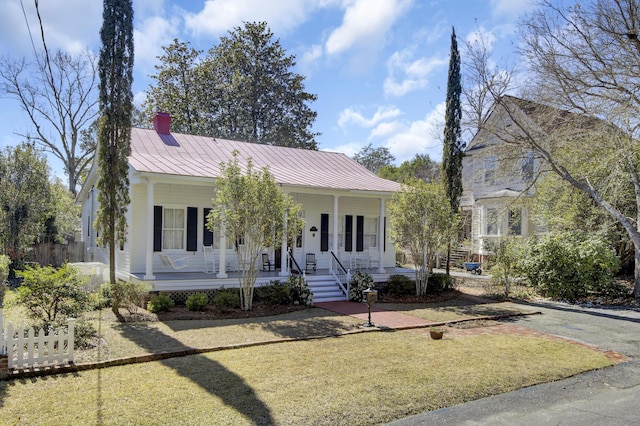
(493, 223)
(490, 170)
(515, 222)
(370, 233)
(526, 170)
(173, 229)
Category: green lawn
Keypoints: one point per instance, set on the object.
(356, 379)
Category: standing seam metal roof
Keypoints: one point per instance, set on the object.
(200, 156)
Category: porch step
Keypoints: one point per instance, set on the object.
(325, 290)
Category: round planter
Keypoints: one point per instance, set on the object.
(436, 335)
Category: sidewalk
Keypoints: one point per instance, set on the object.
(381, 318)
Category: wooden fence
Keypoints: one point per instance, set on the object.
(57, 254)
(30, 348)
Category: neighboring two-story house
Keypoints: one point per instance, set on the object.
(496, 177)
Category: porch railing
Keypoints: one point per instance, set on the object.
(341, 274)
(293, 261)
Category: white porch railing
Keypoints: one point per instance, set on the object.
(30, 348)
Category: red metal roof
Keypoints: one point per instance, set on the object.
(199, 156)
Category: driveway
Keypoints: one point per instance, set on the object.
(605, 397)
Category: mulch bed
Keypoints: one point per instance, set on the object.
(411, 298)
(180, 312)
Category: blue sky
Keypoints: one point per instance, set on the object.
(378, 67)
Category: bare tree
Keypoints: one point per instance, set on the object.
(59, 95)
(484, 81)
(585, 122)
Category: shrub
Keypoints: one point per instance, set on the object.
(5, 261)
(568, 266)
(197, 302)
(360, 281)
(300, 293)
(160, 303)
(101, 298)
(401, 285)
(439, 282)
(226, 299)
(84, 332)
(276, 293)
(51, 295)
(129, 295)
(505, 259)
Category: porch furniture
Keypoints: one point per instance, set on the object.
(267, 265)
(209, 260)
(373, 257)
(174, 262)
(310, 262)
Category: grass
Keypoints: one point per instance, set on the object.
(357, 379)
(364, 378)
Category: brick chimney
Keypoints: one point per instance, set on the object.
(162, 123)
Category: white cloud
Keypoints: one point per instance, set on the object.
(385, 129)
(482, 37)
(308, 57)
(219, 16)
(350, 149)
(512, 8)
(149, 37)
(365, 22)
(419, 137)
(70, 25)
(406, 75)
(383, 113)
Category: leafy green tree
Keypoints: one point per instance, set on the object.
(506, 254)
(63, 216)
(374, 159)
(25, 200)
(244, 88)
(422, 223)
(58, 94)
(114, 134)
(179, 90)
(252, 211)
(51, 295)
(419, 167)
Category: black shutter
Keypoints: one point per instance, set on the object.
(384, 235)
(157, 228)
(348, 233)
(207, 236)
(192, 229)
(324, 232)
(359, 233)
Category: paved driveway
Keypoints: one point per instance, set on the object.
(606, 397)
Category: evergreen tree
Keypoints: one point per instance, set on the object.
(453, 145)
(114, 128)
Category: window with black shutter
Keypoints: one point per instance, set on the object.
(359, 233)
(324, 232)
(348, 233)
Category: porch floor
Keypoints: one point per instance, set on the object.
(262, 275)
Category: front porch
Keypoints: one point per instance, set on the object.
(193, 281)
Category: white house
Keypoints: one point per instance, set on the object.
(495, 177)
(171, 187)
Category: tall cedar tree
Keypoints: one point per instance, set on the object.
(453, 145)
(114, 131)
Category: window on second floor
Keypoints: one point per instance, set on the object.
(527, 167)
(490, 170)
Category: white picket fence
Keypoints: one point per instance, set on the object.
(31, 348)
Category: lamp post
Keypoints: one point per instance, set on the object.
(370, 296)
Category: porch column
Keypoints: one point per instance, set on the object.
(149, 243)
(222, 267)
(334, 243)
(283, 248)
(381, 237)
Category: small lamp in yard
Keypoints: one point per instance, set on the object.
(371, 297)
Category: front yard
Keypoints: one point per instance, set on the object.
(364, 378)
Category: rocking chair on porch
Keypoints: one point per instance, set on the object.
(311, 262)
(267, 265)
(174, 262)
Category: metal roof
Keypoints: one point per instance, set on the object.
(199, 156)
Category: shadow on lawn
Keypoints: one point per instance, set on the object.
(210, 375)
